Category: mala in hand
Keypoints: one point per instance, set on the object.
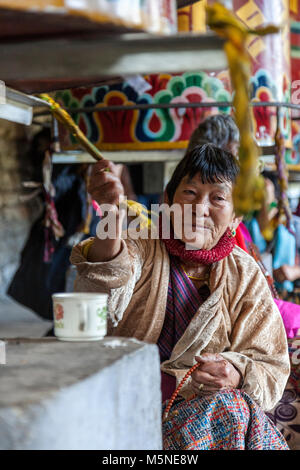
(174, 396)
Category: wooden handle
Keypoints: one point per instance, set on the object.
(62, 116)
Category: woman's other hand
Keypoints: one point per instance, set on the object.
(214, 373)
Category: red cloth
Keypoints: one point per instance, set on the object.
(222, 249)
(239, 238)
(168, 386)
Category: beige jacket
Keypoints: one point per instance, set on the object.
(239, 319)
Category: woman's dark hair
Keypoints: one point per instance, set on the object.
(219, 130)
(213, 163)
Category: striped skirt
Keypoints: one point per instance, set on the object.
(227, 420)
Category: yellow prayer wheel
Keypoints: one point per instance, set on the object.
(192, 18)
(270, 64)
(32, 4)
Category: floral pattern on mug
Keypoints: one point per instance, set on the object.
(59, 312)
(101, 313)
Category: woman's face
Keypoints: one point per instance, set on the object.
(210, 212)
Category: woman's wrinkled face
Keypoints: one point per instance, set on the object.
(208, 212)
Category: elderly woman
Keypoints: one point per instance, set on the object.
(209, 305)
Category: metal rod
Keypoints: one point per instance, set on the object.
(55, 136)
(147, 106)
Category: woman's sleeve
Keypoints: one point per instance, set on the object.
(116, 277)
(259, 347)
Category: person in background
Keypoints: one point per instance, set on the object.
(269, 207)
(219, 129)
(283, 245)
(288, 272)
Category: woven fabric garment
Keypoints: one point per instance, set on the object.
(227, 420)
(183, 301)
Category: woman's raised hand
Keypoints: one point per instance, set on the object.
(214, 373)
(105, 185)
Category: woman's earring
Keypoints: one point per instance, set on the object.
(233, 233)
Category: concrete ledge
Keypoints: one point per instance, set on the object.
(84, 395)
(2, 353)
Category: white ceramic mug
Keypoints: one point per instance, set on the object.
(80, 316)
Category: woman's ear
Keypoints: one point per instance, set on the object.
(236, 222)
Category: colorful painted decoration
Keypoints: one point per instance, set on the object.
(145, 129)
(264, 88)
(171, 128)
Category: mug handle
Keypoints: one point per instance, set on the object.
(83, 317)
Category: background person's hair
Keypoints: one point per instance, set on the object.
(272, 176)
(219, 130)
(213, 163)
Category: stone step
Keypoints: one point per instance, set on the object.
(97, 395)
